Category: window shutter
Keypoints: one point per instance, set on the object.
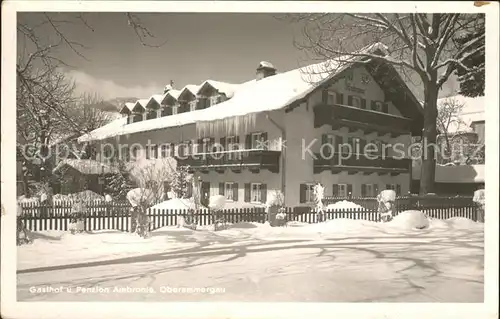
(324, 96)
(264, 138)
(363, 104)
(221, 189)
(338, 142)
(373, 105)
(385, 108)
(349, 100)
(387, 186)
(263, 193)
(303, 188)
(340, 98)
(248, 141)
(335, 190)
(363, 190)
(375, 189)
(349, 190)
(247, 192)
(237, 141)
(235, 192)
(398, 189)
(223, 143)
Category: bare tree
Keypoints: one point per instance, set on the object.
(420, 46)
(448, 123)
(150, 177)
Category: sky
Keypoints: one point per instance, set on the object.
(199, 46)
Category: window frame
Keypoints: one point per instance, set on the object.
(229, 191)
(259, 192)
(344, 186)
(259, 134)
(309, 193)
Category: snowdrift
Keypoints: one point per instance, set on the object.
(341, 205)
(410, 219)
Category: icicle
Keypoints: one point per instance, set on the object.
(227, 126)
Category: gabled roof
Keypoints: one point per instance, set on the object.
(270, 93)
(142, 103)
(155, 99)
(223, 87)
(191, 88)
(127, 107)
(86, 166)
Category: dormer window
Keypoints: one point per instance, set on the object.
(192, 105)
(214, 99)
(150, 114)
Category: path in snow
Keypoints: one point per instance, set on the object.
(435, 265)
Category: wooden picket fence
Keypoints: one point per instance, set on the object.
(117, 216)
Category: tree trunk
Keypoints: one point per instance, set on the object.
(428, 171)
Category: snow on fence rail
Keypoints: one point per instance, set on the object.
(414, 201)
(117, 216)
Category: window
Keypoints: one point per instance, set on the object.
(377, 106)
(203, 145)
(257, 141)
(125, 154)
(214, 100)
(369, 190)
(192, 105)
(309, 193)
(165, 150)
(228, 191)
(175, 109)
(365, 79)
(395, 187)
(355, 101)
(255, 194)
(332, 97)
(342, 192)
(356, 143)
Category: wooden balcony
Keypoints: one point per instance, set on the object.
(360, 119)
(254, 160)
(360, 163)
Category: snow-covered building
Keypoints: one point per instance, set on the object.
(277, 130)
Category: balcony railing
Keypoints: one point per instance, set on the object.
(355, 118)
(354, 163)
(236, 159)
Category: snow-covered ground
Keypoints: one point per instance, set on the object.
(340, 260)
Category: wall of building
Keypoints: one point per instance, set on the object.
(272, 181)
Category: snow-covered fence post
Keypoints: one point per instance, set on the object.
(319, 194)
(386, 200)
(479, 201)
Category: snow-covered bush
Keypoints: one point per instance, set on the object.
(386, 200)
(319, 193)
(217, 202)
(276, 198)
(77, 215)
(479, 199)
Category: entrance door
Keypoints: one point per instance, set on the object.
(205, 193)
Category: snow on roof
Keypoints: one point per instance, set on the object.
(473, 111)
(191, 88)
(127, 106)
(174, 93)
(265, 64)
(158, 98)
(86, 166)
(271, 93)
(223, 87)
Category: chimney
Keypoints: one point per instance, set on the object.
(168, 87)
(264, 70)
